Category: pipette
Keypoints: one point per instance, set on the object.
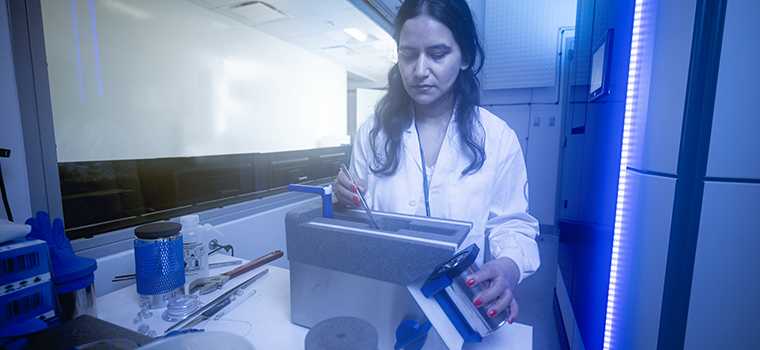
(361, 196)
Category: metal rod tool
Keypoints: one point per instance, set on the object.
(210, 266)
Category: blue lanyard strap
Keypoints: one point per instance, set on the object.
(426, 188)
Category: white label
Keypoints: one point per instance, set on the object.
(194, 254)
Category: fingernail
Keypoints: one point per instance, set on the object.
(356, 199)
(491, 313)
(511, 320)
(353, 188)
(470, 282)
(477, 303)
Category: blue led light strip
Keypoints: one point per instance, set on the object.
(630, 104)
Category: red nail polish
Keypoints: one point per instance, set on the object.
(511, 320)
(477, 303)
(491, 313)
(470, 282)
(356, 199)
(353, 188)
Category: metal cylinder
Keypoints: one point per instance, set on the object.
(159, 263)
(462, 296)
(78, 302)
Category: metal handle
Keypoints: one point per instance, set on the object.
(254, 264)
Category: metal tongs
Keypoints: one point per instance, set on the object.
(207, 285)
(361, 196)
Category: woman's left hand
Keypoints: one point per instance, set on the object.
(503, 276)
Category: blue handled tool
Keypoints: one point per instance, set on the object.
(324, 192)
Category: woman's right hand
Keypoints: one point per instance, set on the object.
(346, 192)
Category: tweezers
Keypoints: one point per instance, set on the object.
(361, 196)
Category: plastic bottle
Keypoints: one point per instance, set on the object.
(194, 246)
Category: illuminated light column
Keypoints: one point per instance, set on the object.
(616, 272)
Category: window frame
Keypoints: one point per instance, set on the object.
(30, 65)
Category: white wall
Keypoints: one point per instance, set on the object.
(149, 79)
(14, 168)
(530, 110)
(366, 99)
(521, 42)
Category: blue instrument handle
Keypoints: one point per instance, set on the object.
(324, 192)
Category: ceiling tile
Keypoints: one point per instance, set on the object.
(313, 24)
(258, 12)
(317, 26)
(303, 8)
(315, 41)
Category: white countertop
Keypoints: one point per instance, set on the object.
(264, 319)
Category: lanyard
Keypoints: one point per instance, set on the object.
(426, 188)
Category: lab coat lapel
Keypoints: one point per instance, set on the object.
(447, 155)
(412, 145)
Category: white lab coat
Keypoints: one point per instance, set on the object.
(494, 199)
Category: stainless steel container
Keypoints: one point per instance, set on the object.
(78, 302)
(448, 283)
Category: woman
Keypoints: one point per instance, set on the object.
(430, 150)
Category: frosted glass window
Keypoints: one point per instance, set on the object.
(150, 79)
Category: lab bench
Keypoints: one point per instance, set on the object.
(264, 318)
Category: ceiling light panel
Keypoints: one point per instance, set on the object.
(356, 33)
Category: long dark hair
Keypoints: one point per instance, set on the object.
(393, 112)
